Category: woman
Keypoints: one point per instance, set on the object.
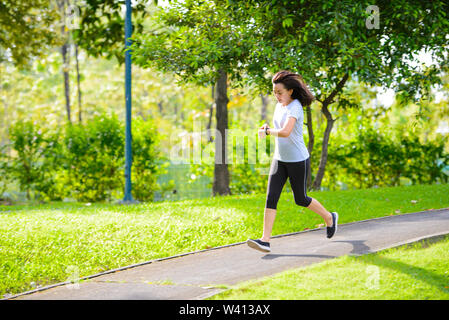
(291, 158)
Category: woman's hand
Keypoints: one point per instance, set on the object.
(262, 133)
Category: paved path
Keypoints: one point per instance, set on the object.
(199, 275)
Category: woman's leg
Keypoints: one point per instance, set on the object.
(276, 182)
(318, 208)
(268, 221)
(297, 173)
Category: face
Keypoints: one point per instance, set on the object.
(282, 95)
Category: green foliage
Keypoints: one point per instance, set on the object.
(245, 178)
(84, 162)
(101, 29)
(27, 29)
(5, 177)
(368, 159)
(147, 163)
(326, 40)
(331, 37)
(32, 166)
(250, 173)
(95, 155)
(248, 159)
(375, 159)
(259, 38)
(192, 40)
(425, 163)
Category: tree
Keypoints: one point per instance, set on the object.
(101, 27)
(329, 42)
(27, 30)
(99, 32)
(78, 80)
(65, 47)
(196, 41)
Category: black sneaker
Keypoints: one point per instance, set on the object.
(259, 245)
(332, 230)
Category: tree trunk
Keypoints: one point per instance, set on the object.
(327, 132)
(310, 143)
(221, 173)
(323, 160)
(5, 122)
(263, 114)
(65, 58)
(65, 71)
(160, 106)
(78, 83)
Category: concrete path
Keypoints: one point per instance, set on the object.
(199, 274)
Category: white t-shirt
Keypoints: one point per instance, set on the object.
(291, 148)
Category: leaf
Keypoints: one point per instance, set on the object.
(288, 22)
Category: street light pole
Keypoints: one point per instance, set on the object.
(128, 137)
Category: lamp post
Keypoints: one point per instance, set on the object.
(128, 198)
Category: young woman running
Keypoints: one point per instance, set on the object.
(291, 158)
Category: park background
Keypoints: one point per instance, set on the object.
(62, 121)
(377, 141)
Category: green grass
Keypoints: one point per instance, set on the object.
(404, 273)
(43, 244)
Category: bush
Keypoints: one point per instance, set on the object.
(147, 163)
(372, 159)
(84, 162)
(34, 164)
(94, 158)
(5, 177)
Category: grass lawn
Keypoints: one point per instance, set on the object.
(45, 244)
(417, 271)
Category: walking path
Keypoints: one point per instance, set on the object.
(201, 274)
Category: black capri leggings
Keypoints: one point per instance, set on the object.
(297, 174)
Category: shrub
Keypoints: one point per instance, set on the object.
(94, 158)
(147, 163)
(83, 161)
(372, 159)
(35, 161)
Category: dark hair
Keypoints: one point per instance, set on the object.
(294, 81)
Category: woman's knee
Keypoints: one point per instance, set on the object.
(271, 204)
(303, 202)
(272, 201)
